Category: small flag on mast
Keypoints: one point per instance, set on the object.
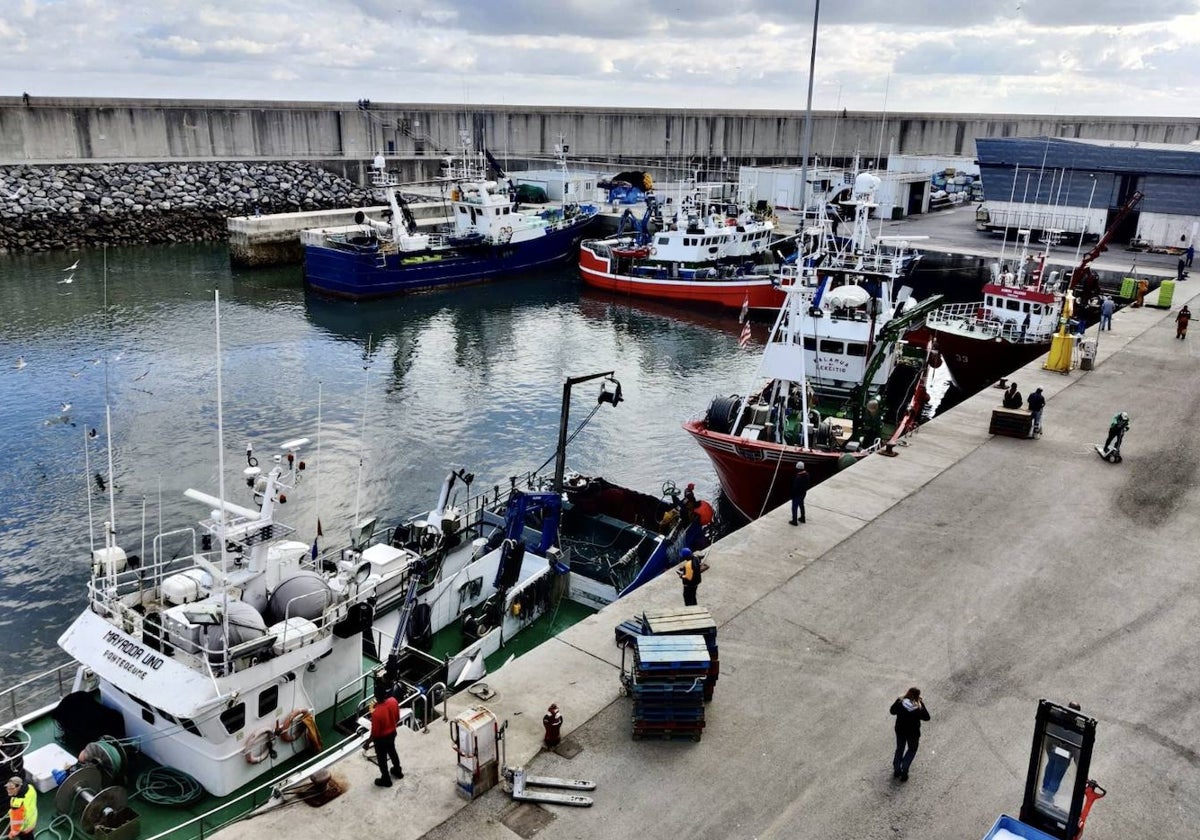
(745, 309)
(745, 337)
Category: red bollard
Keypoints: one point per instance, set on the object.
(552, 722)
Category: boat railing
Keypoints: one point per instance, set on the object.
(973, 318)
(229, 812)
(28, 697)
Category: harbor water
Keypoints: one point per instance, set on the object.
(404, 390)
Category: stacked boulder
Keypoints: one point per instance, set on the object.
(77, 205)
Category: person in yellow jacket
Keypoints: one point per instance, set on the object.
(690, 573)
(22, 808)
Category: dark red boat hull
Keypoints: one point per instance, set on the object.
(757, 476)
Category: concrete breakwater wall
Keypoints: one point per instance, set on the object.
(49, 207)
(74, 129)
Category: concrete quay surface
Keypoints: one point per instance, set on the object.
(989, 571)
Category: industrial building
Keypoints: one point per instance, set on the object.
(1075, 187)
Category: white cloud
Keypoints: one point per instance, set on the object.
(1100, 56)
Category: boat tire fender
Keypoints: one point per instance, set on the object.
(653, 250)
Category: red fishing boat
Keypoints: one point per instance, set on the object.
(702, 249)
(1018, 315)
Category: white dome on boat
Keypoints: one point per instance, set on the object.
(866, 183)
(848, 296)
(302, 595)
(245, 624)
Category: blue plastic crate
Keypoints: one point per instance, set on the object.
(1008, 827)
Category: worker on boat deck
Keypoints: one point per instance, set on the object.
(1012, 397)
(22, 808)
(690, 573)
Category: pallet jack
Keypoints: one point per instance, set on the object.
(517, 782)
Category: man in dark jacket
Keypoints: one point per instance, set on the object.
(799, 492)
(909, 711)
(1037, 402)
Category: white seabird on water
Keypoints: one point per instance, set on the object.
(72, 266)
(20, 362)
(66, 407)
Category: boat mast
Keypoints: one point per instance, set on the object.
(805, 147)
(221, 477)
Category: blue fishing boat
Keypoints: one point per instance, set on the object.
(488, 236)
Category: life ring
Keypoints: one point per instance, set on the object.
(287, 730)
(258, 746)
(653, 250)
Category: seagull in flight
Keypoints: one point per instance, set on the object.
(20, 362)
(70, 279)
(72, 266)
(140, 378)
(66, 407)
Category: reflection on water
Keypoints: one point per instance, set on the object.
(472, 377)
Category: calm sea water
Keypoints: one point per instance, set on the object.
(407, 387)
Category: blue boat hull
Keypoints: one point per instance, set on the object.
(358, 274)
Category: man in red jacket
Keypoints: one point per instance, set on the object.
(384, 718)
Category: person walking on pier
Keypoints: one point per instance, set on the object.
(690, 573)
(1106, 312)
(1181, 322)
(384, 719)
(799, 492)
(1037, 402)
(1189, 254)
(909, 711)
(1180, 274)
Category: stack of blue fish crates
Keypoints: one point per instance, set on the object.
(692, 621)
(667, 686)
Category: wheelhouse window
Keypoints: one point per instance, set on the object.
(828, 346)
(810, 343)
(268, 701)
(1014, 305)
(853, 348)
(234, 719)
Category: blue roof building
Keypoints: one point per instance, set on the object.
(1075, 186)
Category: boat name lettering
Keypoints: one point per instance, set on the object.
(134, 651)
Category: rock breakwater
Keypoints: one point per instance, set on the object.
(44, 208)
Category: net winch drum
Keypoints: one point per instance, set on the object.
(106, 812)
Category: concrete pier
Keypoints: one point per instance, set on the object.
(258, 241)
(991, 572)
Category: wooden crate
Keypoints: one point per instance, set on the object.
(1011, 422)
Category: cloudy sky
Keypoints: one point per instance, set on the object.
(1099, 57)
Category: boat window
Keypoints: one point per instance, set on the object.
(1037, 309)
(268, 701)
(1012, 304)
(810, 343)
(855, 349)
(828, 346)
(988, 300)
(664, 240)
(462, 210)
(190, 726)
(234, 719)
(148, 717)
(164, 715)
(1025, 306)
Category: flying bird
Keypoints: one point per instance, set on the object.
(72, 266)
(66, 407)
(140, 378)
(75, 373)
(70, 279)
(20, 362)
